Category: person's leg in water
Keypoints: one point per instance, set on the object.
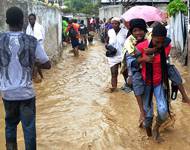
(175, 77)
(138, 88)
(148, 108)
(127, 86)
(76, 51)
(28, 120)
(185, 98)
(75, 44)
(142, 112)
(162, 110)
(12, 119)
(36, 71)
(40, 73)
(114, 74)
(85, 40)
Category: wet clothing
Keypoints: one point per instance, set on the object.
(154, 80)
(132, 54)
(23, 111)
(161, 103)
(157, 71)
(174, 75)
(19, 52)
(74, 42)
(135, 72)
(117, 41)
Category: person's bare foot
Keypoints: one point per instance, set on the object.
(141, 119)
(149, 131)
(156, 135)
(113, 90)
(37, 80)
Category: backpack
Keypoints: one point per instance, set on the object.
(72, 32)
(83, 29)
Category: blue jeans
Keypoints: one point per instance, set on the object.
(24, 111)
(161, 103)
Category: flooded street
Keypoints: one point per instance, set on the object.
(74, 111)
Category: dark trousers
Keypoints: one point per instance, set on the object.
(24, 111)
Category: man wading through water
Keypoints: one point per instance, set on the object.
(155, 76)
(18, 55)
(73, 30)
(36, 30)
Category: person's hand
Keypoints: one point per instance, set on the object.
(106, 45)
(129, 80)
(147, 58)
(149, 50)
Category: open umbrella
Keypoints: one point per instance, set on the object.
(148, 13)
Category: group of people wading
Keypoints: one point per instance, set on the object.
(144, 60)
(142, 55)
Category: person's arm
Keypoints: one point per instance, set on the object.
(68, 28)
(145, 58)
(150, 51)
(106, 40)
(46, 65)
(42, 60)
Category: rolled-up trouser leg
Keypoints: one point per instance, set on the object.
(174, 75)
(161, 103)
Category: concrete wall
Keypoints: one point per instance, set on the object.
(3, 5)
(117, 10)
(111, 11)
(50, 18)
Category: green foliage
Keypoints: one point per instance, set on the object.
(82, 6)
(175, 6)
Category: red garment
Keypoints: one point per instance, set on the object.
(157, 71)
(76, 26)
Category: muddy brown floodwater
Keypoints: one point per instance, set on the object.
(75, 113)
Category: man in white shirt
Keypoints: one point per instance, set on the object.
(19, 53)
(36, 30)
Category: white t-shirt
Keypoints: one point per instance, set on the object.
(117, 41)
(18, 85)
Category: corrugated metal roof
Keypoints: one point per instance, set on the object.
(156, 1)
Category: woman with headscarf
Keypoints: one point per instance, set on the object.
(116, 38)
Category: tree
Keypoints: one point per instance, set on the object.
(125, 3)
(82, 6)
